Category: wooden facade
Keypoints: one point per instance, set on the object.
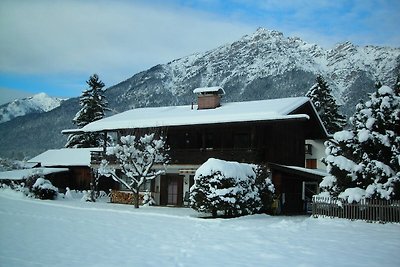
(250, 142)
(277, 141)
(79, 178)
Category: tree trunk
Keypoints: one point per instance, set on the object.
(136, 194)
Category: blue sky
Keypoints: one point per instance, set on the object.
(53, 46)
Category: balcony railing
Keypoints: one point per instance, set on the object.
(195, 156)
(199, 156)
(97, 156)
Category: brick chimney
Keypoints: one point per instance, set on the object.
(209, 97)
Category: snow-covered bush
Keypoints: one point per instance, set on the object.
(43, 189)
(226, 187)
(265, 187)
(366, 157)
(87, 196)
(18, 187)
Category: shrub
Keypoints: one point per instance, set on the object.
(229, 188)
(43, 189)
(265, 188)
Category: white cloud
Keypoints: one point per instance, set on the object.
(8, 95)
(327, 22)
(63, 41)
(117, 38)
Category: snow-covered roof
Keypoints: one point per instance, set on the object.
(315, 172)
(215, 89)
(65, 157)
(262, 110)
(25, 173)
(318, 172)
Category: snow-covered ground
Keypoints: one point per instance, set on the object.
(69, 232)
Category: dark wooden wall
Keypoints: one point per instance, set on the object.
(79, 178)
(257, 142)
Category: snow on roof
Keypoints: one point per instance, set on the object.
(215, 89)
(262, 110)
(318, 172)
(72, 131)
(65, 157)
(25, 173)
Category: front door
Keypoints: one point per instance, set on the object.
(171, 190)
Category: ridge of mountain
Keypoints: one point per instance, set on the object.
(262, 65)
(34, 104)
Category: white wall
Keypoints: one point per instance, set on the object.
(318, 152)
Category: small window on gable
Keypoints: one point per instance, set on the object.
(308, 149)
(311, 163)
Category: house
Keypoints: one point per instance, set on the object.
(76, 163)
(21, 175)
(262, 132)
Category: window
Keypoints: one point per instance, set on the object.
(311, 163)
(308, 149)
(146, 186)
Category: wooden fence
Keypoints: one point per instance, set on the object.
(370, 210)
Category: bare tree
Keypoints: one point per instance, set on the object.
(136, 156)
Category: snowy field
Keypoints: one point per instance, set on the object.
(74, 233)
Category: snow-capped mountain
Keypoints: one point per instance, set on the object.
(35, 104)
(263, 65)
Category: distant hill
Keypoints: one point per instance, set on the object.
(263, 65)
(35, 104)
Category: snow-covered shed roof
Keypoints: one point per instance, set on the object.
(26, 173)
(262, 110)
(216, 89)
(300, 171)
(64, 157)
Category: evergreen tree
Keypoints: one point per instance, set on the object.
(378, 84)
(93, 106)
(367, 157)
(326, 106)
(397, 85)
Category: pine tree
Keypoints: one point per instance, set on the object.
(367, 156)
(93, 106)
(326, 106)
(397, 85)
(379, 142)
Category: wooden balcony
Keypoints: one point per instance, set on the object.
(195, 156)
(199, 156)
(97, 156)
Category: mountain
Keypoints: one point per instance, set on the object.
(263, 65)
(35, 104)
